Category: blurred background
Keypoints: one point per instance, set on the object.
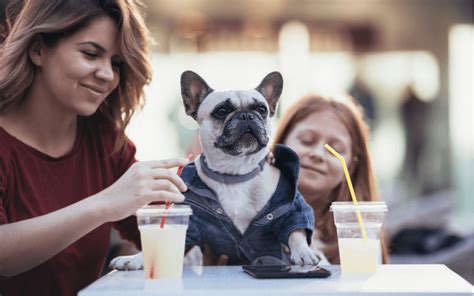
(408, 62)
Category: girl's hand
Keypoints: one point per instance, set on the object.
(143, 183)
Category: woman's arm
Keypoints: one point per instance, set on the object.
(26, 244)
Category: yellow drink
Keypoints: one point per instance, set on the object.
(359, 255)
(163, 250)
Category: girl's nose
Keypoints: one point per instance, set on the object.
(317, 152)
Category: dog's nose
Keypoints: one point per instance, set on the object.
(245, 116)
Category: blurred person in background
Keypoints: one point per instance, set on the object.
(71, 75)
(338, 121)
(362, 94)
(415, 118)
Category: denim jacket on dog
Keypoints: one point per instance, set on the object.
(285, 212)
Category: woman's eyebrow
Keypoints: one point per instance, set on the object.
(96, 45)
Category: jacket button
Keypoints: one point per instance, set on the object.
(270, 216)
(219, 211)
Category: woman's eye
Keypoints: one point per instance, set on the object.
(90, 54)
(116, 64)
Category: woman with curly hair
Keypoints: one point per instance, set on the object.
(71, 75)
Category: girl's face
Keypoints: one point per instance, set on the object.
(320, 171)
(81, 70)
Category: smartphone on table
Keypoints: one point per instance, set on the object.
(286, 271)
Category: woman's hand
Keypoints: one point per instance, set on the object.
(143, 183)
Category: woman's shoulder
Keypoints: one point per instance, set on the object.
(111, 142)
(7, 151)
(7, 144)
(104, 134)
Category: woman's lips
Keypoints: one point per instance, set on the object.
(94, 90)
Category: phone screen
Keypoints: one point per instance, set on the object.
(286, 271)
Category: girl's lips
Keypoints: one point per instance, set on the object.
(313, 169)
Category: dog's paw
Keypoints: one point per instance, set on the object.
(133, 262)
(304, 255)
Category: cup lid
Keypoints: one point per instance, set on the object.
(363, 206)
(159, 210)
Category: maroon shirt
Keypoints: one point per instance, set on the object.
(33, 184)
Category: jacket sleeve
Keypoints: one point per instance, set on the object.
(299, 216)
(193, 235)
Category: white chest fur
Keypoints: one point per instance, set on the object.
(243, 201)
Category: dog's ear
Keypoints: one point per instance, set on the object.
(193, 90)
(271, 88)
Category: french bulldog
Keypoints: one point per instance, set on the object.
(235, 129)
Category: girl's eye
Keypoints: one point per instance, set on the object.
(307, 141)
(339, 147)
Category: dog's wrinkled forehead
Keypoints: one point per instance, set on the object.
(238, 100)
(199, 98)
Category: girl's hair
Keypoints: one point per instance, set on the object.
(27, 20)
(352, 117)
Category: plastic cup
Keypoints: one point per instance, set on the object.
(163, 247)
(359, 255)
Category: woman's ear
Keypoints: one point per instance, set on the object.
(36, 51)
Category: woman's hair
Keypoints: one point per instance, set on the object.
(351, 116)
(26, 21)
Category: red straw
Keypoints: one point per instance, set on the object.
(168, 203)
(163, 219)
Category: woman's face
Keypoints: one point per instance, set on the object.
(320, 171)
(81, 70)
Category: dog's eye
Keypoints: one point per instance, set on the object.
(221, 112)
(262, 110)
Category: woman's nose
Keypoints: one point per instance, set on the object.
(105, 72)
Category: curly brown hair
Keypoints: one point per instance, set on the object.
(27, 20)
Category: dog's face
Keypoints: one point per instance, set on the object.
(236, 123)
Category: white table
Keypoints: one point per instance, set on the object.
(231, 280)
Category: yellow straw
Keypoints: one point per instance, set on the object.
(351, 189)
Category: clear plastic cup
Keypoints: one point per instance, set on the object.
(163, 247)
(359, 255)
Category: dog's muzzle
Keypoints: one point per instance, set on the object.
(244, 129)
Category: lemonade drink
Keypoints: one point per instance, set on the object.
(163, 250)
(359, 255)
(163, 237)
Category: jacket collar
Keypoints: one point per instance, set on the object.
(284, 158)
(228, 178)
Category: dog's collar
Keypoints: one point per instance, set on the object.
(228, 178)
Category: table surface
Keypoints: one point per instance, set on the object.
(231, 280)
